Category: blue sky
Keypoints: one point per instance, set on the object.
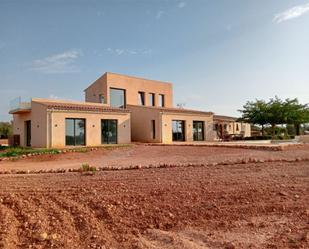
(218, 54)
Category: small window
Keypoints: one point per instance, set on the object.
(161, 100)
(141, 98)
(152, 99)
(237, 127)
(102, 99)
(153, 127)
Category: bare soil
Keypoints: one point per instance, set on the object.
(146, 155)
(227, 206)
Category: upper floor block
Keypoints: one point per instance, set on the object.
(118, 90)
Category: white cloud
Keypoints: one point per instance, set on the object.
(292, 13)
(120, 51)
(159, 14)
(181, 5)
(58, 63)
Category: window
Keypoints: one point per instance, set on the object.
(141, 98)
(153, 127)
(101, 99)
(237, 127)
(75, 132)
(109, 131)
(161, 100)
(152, 99)
(178, 129)
(117, 97)
(198, 130)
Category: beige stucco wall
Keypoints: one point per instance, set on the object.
(19, 126)
(142, 130)
(167, 119)
(141, 124)
(92, 93)
(38, 119)
(132, 85)
(93, 127)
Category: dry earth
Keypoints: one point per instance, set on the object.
(146, 155)
(227, 206)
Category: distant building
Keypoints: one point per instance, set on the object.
(228, 127)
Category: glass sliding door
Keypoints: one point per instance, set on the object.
(75, 132)
(198, 130)
(178, 129)
(117, 97)
(109, 131)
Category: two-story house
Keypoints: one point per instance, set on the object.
(117, 109)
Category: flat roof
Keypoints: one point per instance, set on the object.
(129, 76)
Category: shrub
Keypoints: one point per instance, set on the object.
(86, 168)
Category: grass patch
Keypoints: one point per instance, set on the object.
(15, 152)
(87, 169)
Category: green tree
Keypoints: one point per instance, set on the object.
(6, 129)
(276, 112)
(255, 112)
(296, 114)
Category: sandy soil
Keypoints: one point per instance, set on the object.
(231, 206)
(147, 155)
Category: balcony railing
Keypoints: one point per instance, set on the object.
(20, 105)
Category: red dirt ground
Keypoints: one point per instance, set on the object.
(147, 155)
(229, 206)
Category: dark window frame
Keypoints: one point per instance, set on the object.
(102, 137)
(176, 136)
(124, 96)
(152, 99)
(196, 136)
(141, 98)
(162, 100)
(153, 127)
(74, 126)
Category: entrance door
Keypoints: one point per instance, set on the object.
(198, 130)
(178, 127)
(109, 131)
(28, 133)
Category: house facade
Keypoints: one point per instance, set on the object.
(153, 117)
(118, 109)
(44, 123)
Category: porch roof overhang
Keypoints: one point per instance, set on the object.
(20, 111)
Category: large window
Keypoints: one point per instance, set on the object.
(178, 129)
(109, 131)
(152, 99)
(141, 98)
(75, 132)
(198, 130)
(117, 97)
(161, 100)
